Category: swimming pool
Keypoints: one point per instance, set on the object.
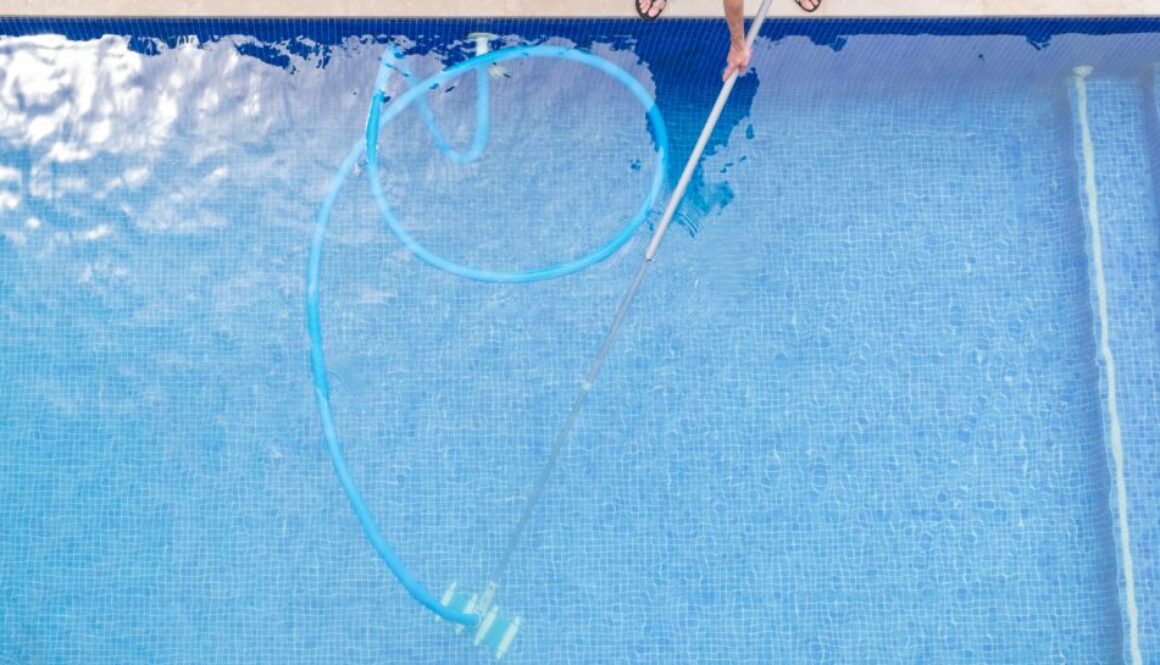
(860, 411)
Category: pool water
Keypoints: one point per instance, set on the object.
(859, 412)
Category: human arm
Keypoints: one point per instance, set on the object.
(738, 59)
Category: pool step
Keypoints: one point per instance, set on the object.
(1116, 120)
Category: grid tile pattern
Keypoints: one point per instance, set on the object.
(854, 417)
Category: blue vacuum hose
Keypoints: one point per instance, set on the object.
(382, 112)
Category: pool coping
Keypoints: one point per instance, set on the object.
(574, 8)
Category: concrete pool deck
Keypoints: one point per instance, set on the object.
(573, 8)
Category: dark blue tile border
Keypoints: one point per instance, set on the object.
(1038, 31)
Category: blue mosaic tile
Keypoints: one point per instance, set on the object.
(1122, 120)
(853, 416)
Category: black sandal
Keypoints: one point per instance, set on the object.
(648, 7)
(817, 3)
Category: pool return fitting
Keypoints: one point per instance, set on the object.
(479, 613)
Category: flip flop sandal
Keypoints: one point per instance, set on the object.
(649, 5)
(817, 3)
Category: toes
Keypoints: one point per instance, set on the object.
(650, 9)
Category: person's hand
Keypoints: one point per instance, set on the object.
(738, 60)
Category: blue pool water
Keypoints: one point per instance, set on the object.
(859, 412)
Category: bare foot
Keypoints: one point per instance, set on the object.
(809, 5)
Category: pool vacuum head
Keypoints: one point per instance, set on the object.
(495, 632)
